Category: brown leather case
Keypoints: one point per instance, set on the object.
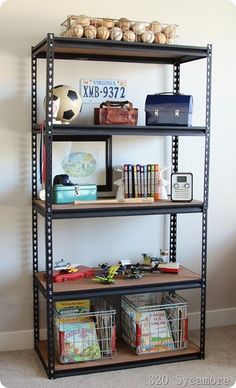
(116, 112)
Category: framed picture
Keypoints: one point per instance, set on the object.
(86, 159)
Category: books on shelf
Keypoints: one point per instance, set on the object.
(84, 330)
(150, 324)
(155, 332)
(71, 307)
(142, 181)
(176, 310)
(76, 339)
(145, 325)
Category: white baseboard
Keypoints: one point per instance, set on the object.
(19, 340)
(214, 318)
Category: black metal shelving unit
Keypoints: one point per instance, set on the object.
(55, 48)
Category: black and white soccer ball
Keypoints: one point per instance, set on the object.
(70, 103)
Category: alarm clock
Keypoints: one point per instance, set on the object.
(182, 186)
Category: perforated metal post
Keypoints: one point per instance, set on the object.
(34, 193)
(205, 199)
(174, 155)
(48, 203)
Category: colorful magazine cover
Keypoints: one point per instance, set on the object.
(78, 342)
(154, 331)
(71, 307)
(145, 325)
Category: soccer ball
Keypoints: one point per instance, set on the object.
(70, 103)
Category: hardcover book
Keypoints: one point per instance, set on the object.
(77, 341)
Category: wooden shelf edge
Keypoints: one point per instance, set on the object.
(184, 279)
(66, 211)
(125, 356)
(98, 49)
(137, 130)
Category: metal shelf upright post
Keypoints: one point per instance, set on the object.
(48, 202)
(205, 200)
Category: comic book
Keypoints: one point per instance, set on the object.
(77, 341)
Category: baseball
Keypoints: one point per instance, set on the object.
(129, 36)
(103, 33)
(71, 19)
(155, 27)
(170, 31)
(77, 30)
(96, 22)
(160, 38)
(83, 20)
(108, 23)
(148, 37)
(69, 33)
(116, 33)
(124, 24)
(90, 32)
(138, 28)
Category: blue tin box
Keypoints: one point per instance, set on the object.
(169, 109)
(70, 193)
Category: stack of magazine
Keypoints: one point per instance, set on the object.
(149, 325)
(176, 311)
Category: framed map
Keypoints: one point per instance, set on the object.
(87, 160)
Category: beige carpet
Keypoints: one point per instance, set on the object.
(23, 369)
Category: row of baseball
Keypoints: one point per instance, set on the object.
(122, 29)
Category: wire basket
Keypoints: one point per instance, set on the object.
(152, 323)
(86, 336)
(81, 26)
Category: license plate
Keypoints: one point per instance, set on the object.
(98, 90)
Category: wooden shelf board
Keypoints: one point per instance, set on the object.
(148, 280)
(124, 356)
(137, 130)
(97, 49)
(119, 209)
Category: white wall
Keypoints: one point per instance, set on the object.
(23, 24)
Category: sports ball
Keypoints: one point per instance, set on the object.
(124, 24)
(116, 33)
(83, 20)
(90, 32)
(148, 37)
(77, 30)
(139, 28)
(129, 36)
(69, 33)
(103, 33)
(160, 38)
(155, 27)
(70, 103)
(96, 22)
(170, 31)
(108, 23)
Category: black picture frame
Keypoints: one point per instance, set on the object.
(107, 140)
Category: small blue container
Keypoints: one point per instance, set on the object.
(68, 194)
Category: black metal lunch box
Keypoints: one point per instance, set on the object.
(169, 109)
